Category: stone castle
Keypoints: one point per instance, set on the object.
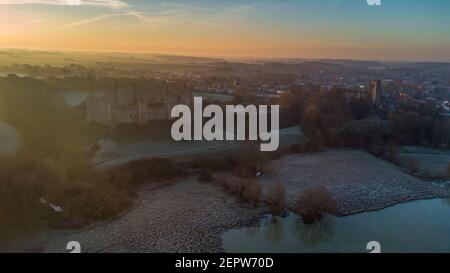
(135, 106)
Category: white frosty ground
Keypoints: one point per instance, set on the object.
(358, 180)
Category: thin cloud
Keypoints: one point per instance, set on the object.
(160, 12)
(139, 15)
(91, 20)
(116, 4)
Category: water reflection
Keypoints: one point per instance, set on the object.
(275, 231)
(253, 231)
(446, 201)
(312, 235)
(421, 226)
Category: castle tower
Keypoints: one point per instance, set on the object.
(376, 95)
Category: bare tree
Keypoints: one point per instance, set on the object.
(315, 203)
(277, 198)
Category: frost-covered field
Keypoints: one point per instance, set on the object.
(358, 181)
(433, 162)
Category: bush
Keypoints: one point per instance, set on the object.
(407, 126)
(235, 186)
(247, 190)
(245, 171)
(392, 150)
(252, 192)
(295, 148)
(82, 192)
(413, 165)
(249, 160)
(314, 204)
(276, 198)
(360, 108)
(218, 163)
(309, 147)
(152, 169)
(448, 170)
(92, 151)
(205, 176)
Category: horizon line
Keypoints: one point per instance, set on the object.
(218, 56)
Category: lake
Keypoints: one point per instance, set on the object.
(419, 226)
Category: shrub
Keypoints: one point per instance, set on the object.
(377, 150)
(448, 170)
(81, 191)
(252, 192)
(276, 198)
(218, 163)
(245, 171)
(413, 165)
(249, 160)
(315, 203)
(235, 186)
(295, 148)
(92, 151)
(247, 190)
(406, 126)
(205, 176)
(392, 151)
(360, 108)
(210, 163)
(152, 169)
(309, 147)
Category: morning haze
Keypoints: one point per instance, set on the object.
(204, 126)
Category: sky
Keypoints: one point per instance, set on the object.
(398, 30)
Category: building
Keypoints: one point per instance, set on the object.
(214, 97)
(98, 109)
(445, 109)
(135, 106)
(376, 91)
(355, 93)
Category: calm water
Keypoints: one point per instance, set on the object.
(420, 226)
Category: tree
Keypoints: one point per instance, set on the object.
(276, 198)
(360, 108)
(406, 126)
(250, 160)
(315, 203)
(392, 150)
(205, 176)
(252, 192)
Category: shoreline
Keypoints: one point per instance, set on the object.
(190, 217)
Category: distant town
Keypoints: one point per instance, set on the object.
(386, 84)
